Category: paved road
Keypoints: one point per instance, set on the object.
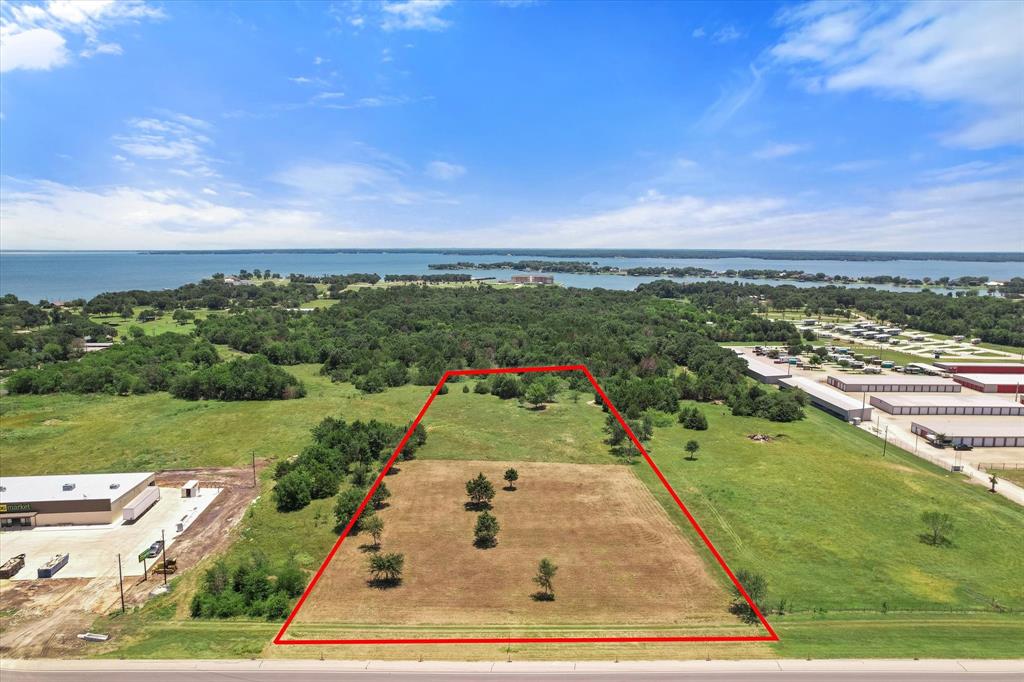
(381, 671)
(352, 676)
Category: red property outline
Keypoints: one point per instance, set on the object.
(771, 637)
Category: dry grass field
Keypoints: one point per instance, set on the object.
(624, 567)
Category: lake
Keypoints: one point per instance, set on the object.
(63, 275)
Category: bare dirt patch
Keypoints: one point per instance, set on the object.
(624, 567)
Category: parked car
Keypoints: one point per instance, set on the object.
(156, 548)
(963, 447)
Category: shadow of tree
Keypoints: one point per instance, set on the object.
(383, 583)
(542, 596)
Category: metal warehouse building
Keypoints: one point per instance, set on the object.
(981, 367)
(992, 383)
(893, 383)
(829, 399)
(978, 433)
(28, 501)
(948, 403)
(765, 372)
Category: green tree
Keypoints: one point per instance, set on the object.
(757, 587)
(511, 476)
(347, 506)
(485, 534)
(992, 479)
(695, 420)
(182, 316)
(386, 569)
(691, 448)
(939, 527)
(536, 394)
(293, 491)
(380, 495)
(546, 571)
(480, 492)
(375, 527)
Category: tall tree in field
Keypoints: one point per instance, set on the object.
(692, 447)
(939, 526)
(511, 476)
(486, 532)
(480, 491)
(375, 527)
(386, 569)
(546, 570)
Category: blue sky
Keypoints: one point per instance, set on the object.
(520, 124)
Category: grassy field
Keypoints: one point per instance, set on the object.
(831, 524)
(86, 433)
(471, 426)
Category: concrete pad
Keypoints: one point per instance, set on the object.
(93, 549)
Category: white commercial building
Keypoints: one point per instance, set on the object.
(976, 432)
(893, 383)
(946, 403)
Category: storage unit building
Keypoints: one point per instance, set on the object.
(992, 383)
(28, 501)
(894, 383)
(829, 399)
(981, 367)
(977, 432)
(946, 403)
(765, 372)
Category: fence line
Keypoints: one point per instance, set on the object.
(1001, 466)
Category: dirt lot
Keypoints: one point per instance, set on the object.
(624, 567)
(41, 618)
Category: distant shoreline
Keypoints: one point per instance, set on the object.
(762, 254)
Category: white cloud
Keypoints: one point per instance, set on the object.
(102, 48)
(34, 49)
(35, 36)
(778, 151)
(324, 211)
(380, 182)
(968, 53)
(53, 215)
(414, 15)
(731, 100)
(177, 138)
(442, 170)
(726, 34)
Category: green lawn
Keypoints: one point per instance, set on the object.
(161, 325)
(68, 433)
(832, 525)
(470, 426)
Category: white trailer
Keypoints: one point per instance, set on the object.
(142, 502)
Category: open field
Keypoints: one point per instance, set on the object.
(67, 433)
(818, 511)
(833, 525)
(623, 565)
(471, 426)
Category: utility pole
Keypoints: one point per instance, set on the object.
(120, 581)
(163, 547)
(253, 468)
